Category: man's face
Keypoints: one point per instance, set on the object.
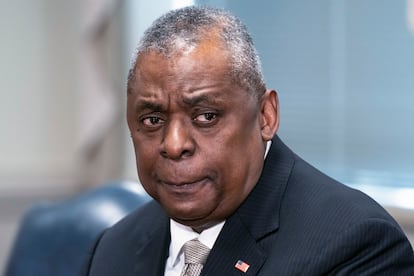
(197, 136)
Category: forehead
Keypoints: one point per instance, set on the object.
(206, 62)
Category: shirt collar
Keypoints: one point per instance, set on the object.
(180, 234)
(268, 144)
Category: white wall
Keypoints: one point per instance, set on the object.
(43, 84)
(37, 92)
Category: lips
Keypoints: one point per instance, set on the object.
(181, 183)
(184, 184)
(187, 186)
(181, 175)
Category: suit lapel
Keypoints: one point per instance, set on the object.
(257, 217)
(260, 211)
(152, 248)
(234, 243)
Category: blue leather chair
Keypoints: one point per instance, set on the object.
(54, 237)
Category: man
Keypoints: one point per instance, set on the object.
(204, 129)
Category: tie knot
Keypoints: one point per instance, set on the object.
(195, 252)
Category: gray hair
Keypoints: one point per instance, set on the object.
(183, 29)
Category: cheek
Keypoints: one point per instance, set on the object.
(145, 158)
(145, 165)
(230, 166)
(238, 158)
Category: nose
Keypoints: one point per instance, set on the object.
(178, 142)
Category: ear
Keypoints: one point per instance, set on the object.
(269, 122)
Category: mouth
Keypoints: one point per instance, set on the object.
(185, 187)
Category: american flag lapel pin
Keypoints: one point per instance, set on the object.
(242, 266)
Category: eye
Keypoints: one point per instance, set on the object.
(206, 117)
(152, 121)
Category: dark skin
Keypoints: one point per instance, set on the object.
(199, 138)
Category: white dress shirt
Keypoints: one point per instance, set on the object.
(180, 234)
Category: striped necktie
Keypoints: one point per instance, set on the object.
(195, 255)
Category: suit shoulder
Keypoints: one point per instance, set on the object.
(137, 226)
(322, 197)
(328, 227)
(115, 251)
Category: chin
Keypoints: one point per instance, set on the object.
(187, 215)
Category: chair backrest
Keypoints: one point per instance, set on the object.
(54, 237)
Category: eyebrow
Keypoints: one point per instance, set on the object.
(189, 101)
(195, 100)
(143, 104)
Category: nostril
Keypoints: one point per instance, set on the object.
(186, 153)
(176, 154)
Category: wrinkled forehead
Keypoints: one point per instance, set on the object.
(202, 61)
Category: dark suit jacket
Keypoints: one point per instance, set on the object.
(296, 221)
